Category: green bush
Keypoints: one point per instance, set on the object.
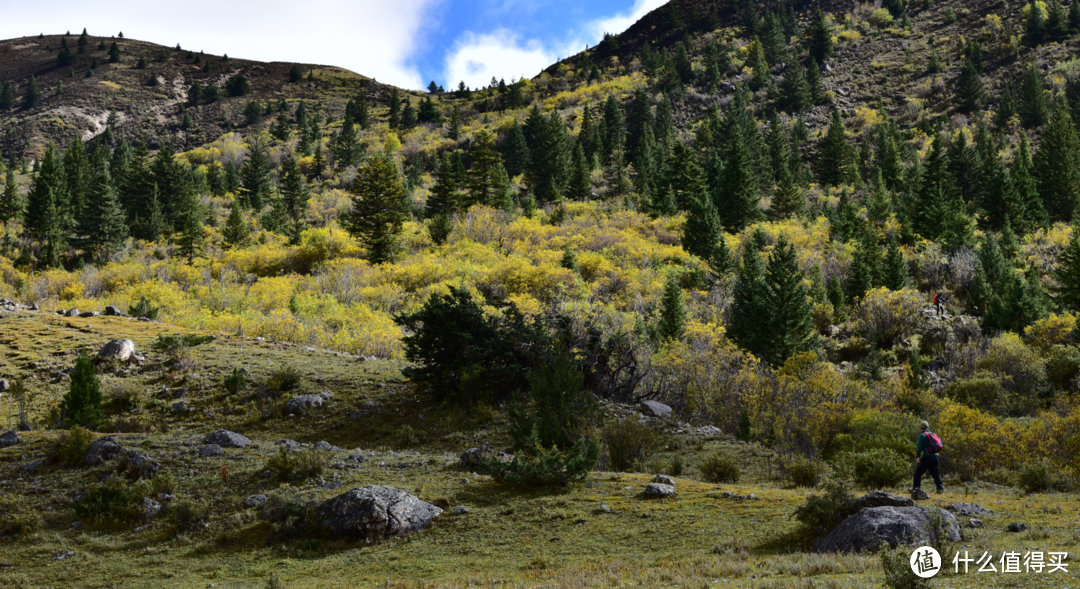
(82, 403)
(175, 344)
(1063, 366)
(290, 516)
(1036, 477)
(144, 308)
(804, 472)
(185, 517)
(897, 566)
(236, 382)
(560, 408)
(720, 468)
(878, 468)
(824, 511)
(287, 465)
(981, 391)
(283, 380)
(875, 429)
(536, 466)
(17, 516)
(113, 502)
(72, 446)
(629, 444)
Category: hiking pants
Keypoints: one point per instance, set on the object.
(928, 463)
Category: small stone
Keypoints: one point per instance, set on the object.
(460, 510)
(254, 501)
(326, 446)
(919, 495)
(89, 314)
(102, 450)
(226, 439)
(72, 312)
(968, 509)
(141, 529)
(150, 507)
(356, 458)
(605, 508)
(664, 479)
(975, 523)
(30, 467)
(1016, 527)
(289, 444)
(659, 490)
(179, 407)
(64, 555)
(211, 450)
(4, 385)
(111, 311)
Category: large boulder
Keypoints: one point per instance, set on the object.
(211, 450)
(118, 349)
(9, 438)
(654, 409)
(882, 499)
(659, 490)
(226, 439)
(301, 403)
(376, 512)
(113, 311)
(139, 465)
(898, 526)
(101, 451)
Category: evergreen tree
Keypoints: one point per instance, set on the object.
(861, 273)
(587, 136)
(1006, 108)
(32, 96)
(750, 317)
(444, 197)
(408, 116)
(969, 89)
(614, 127)
(236, 231)
(102, 222)
(281, 127)
(1035, 26)
(703, 235)
(1033, 106)
(295, 75)
(795, 94)
(579, 186)
(486, 179)
(255, 178)
(790, 326)
(880, 206)
(189, 225)
(819, 38)
(453, 127)
(551, 158)
(833, 158)
(1067, 274)
(673, 313)
(114, 53)
(82, 403)
(1056, 22)
(638, 120)
(294, 199)
(996, 268)
(49, 219)
(1027, 189)
(379, 208)
(894, 270)
(7, 95)
(1074, 17)
(517, 159)
(394, 116)
(737, 196)
(1057, 165)
(760, 77)
(11, 202)
(152, 223)
(816, 82)
(1000, 202)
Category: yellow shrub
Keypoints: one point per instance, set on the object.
(1056, 329)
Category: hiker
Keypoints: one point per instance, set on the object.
(937, 303)
(926, 457)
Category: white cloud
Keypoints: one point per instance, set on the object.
(622, 21)
(476, 58)
(371, 37)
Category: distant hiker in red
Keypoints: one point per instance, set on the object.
(937, 303)
(926, 457)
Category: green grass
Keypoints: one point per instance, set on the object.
(510, 538)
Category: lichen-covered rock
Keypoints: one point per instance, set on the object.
(654, 409)
(211, 450)
(376, 512)
(101, 451)
(664, 479)
(882, 499)
(139, 466)
(9, 438)
(118, 349)
(475, 457)
(301, 403)
(254, 501)
(150, 508)
(226, 439)
(968, 509)
(897, 526)
(659, 491)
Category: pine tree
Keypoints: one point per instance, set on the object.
(295, 75)
(880, 206)
(833, 158)
(32, 96)
(790, 326)
(1067, 274)
(11, 202)
(750, 317)
(1006, 108)
(795, 94)
(1056, 165)
(760, 78)
(1027, 189)
(819, 38)
(49, 218)
(453, 127)
(703, 233)
(673, 313)
(969, 89)
(255, 178)
(815, 81)
(517, 159)
(1035, 26)
(894, 270)
(236, 232)
(486, 179)
(394, 116)
(82, 403)
(408, 116)
(189, 226)
(294, 199)
(579, 186)
(281, 127)
(551, 158)
(638, 120)
(995, 267)
(444, 197)
(114, 53)
(102, 221)
(379, 208)
(1056, 22)
(1033, 106)
(737, 196)
(1000, 202)
(587, 136)
(7, 95)
(1074, 17)
(614, 127)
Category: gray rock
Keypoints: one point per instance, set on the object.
(226, 439)
(112, 311)
(64, 555)
(139, 465)
(35, 307)
(179, 407)
(30, 467)
(975, 523)
(89, 314)
(211, 450)
(867, 529)
(474, 457)
(4, 385)
(330, 486)
(254, 501)
(118, 349)
(371, 406)
(326, 446)
(605, 508)
(301, 403)
(659, 491)
(376, 512)
(289, 444)
(664, 479)
(72, 312)
(9, 438)
(882, 499)
(462, 510)
(919, 495)
(101, 451)
(654, 409)
(968, 509)
(356, 458)
(150, 507)
(1015, 527)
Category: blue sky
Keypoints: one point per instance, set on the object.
(402, 42)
